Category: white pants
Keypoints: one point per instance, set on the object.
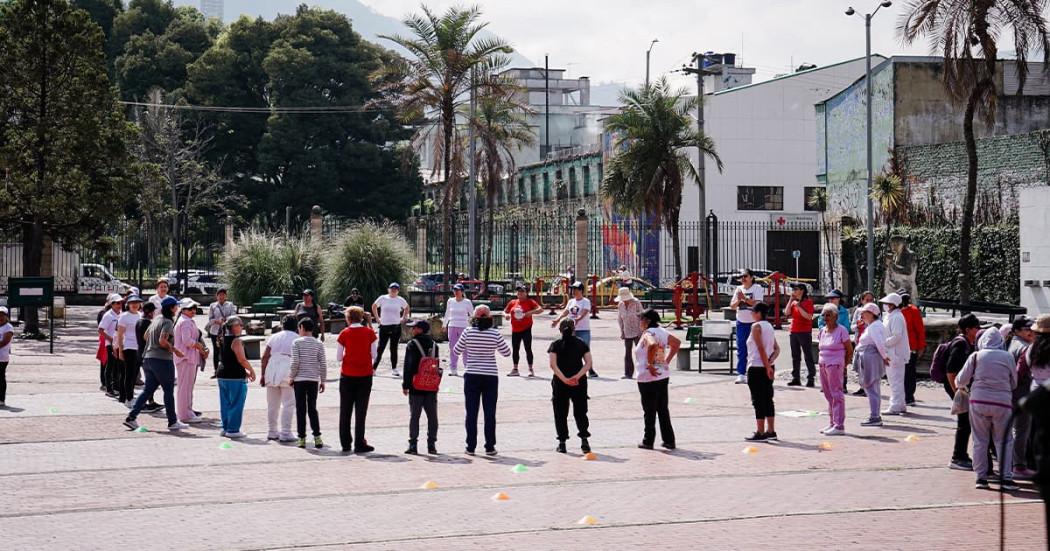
(895, 374)
(280, 400)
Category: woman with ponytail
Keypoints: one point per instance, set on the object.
(570, 360)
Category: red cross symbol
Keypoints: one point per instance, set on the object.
(781, 221)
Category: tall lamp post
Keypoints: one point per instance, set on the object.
(647, 52)
(867, 80)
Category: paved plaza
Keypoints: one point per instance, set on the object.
(71, 477)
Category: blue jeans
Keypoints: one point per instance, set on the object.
(584, 336)
(743, 331)
(158, 373)
(481, 390)
(232, 394)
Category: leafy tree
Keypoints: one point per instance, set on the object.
(446, 49)
(102, 12)
(968, 34)
(141, 16)
(647, 175)
(818, 201)
(62, 135)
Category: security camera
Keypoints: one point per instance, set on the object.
(850, 11)
(887, 4)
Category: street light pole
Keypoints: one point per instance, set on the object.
(700, 164)
(647, 52)
(472, 187)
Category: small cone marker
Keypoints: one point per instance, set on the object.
(590, 456)
(825, 446)
(750, 450)
(225, 446)
(429, 485)
(519, 468)
(142, 429)
(52, 410)
(688, 400)
(587, 520)
(911, 438)
(500, 497)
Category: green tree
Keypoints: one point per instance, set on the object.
(818, 201)
(968, 34)
(446, 48)
(62, 135)
(102, 12)
(648, 174)
(141, 16)
(152, 59)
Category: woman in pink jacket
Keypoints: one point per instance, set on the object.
(190, 341)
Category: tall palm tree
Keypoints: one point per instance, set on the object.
(887, 191)
(967, 33)
(818, 201)
(647, 176)
(500, 127)
(447, 47)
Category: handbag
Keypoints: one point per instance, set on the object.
(961, 401)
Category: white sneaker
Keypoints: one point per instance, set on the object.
(826, 429)
(235, 435)
(286, 438)
(741, 379)
(194, 420)
(178, 425)
(834, 432)
(394, 373)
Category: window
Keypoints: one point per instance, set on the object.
(522, 197)
(534, 192)
(572, 182)
(586, 180)
(546, 187)
(816, 199)
(759, 198)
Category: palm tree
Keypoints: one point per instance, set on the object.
(500, 127)
(963, 30)
(446, 49)
(887, 191)
(818, 201)
(648, 174)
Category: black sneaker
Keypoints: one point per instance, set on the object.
(491, 452)
(364, 449)
(152, 408)
(469, 451)
(860, 392)
(809, 383)
(771, 435)
(432, 449)
(961, 465)
(1009, 486)
(794, 382)
(981, 484)
(667, 445)
(645, 446)
(561, 447)
(131, 423)
(412, 450)
(756, 437)
(593, 374)
(585, 446)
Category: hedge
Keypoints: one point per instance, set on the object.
(995, 261)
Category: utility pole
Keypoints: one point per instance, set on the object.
(647, 52)
(472, 187)
(871, 222)
(546, 107)
(698, 58)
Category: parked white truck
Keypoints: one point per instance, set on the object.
(71, 275)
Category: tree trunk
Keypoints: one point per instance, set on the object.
(827, 246)
(32, 257)
(676, 244)
(966, 231)
(447, 119)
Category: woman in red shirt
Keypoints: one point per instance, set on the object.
(800, 309)
(356, 355)
(521, 311)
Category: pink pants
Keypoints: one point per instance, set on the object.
(187, 376)
(831, 384)
(453, 338)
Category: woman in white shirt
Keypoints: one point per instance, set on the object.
(457, 318)
(899, 350)
(762, 350)
(745, 298)
(871, 360)
(653, 354)
(276, 372)
(126, 347)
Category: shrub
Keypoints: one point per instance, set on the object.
(260, 264)
(368, 256)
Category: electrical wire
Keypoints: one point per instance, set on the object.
(267, 110)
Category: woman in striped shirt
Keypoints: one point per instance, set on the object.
(309, 370)
(481, 378)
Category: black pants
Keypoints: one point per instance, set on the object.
(518, 338)
(962, 431)
(306, 403)
(114, 371)
(761, 387)
(483, 391)
(353, 402)
(388, 334)
(628, 356)
(654, 404)
(802, 346)
(215, 355)
(3, 381)
(910, 377)
(126, 388)
(562, 396)
(417, 404)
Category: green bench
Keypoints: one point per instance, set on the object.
(266, 309)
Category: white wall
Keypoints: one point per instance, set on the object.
(1034, 213)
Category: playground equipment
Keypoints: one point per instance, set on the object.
(691, 285)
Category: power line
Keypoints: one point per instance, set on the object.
(266, 110)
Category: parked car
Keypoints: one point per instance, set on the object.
(431, 281)
(204, 283)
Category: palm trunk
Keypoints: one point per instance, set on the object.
(446, 228)
(966, 231)
(827, 246)
(492, 236)
(676, 242)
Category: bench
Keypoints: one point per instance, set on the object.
(659, 299)
(1011, 310)
(692, 342)
(252, 347)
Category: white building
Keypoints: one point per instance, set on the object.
(212, 9)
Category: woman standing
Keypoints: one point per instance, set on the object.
(308, 374)
(276, 371)
(480, 376)
(653, 355)
(857, 326)
(745, 298)
(570, 359)
(835, 353)
(521, 310)
(159, 365)
(309, 309)
(900, 352)
(457, 319)
(628, 308)
(189, 341)
(6, 333)
(234, 369)
(800, 309)
(127, 349)
(162, 292)
(871, 360)
(356, 353)
(762, 352)
(991, 401)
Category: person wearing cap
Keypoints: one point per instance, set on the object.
(309, 370)
(628, 307)
(990, 406)
(392, 312)
(356, 353)
(578, 309)
(900, 352)
(149, 312)
(835, 297)
(159, 365)
(481, 377)
(870, 361)
(800, 309)
(653, 354)
(1021, 336)
(916, 345)
(835, 351)
(162, 292)
(107, 330)
(569, 357)
(959, 351)
(745, 297)
(233, 389)
(218, 312)
(127, 349)
(309, 309)
(857, 327)
(190, 341)
(6, 334)
(521, 309)
(275, 377)
(458, 310)
(762, 352)
(420, 346)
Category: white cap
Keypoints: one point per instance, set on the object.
(188, 303)
(4, 310)
(114, 298)
(892, 298)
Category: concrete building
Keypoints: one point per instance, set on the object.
(213, 9)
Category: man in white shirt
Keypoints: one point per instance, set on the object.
(218, 312)
(578, 309)
(391, 310)
(107, 329)
(899, 350)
